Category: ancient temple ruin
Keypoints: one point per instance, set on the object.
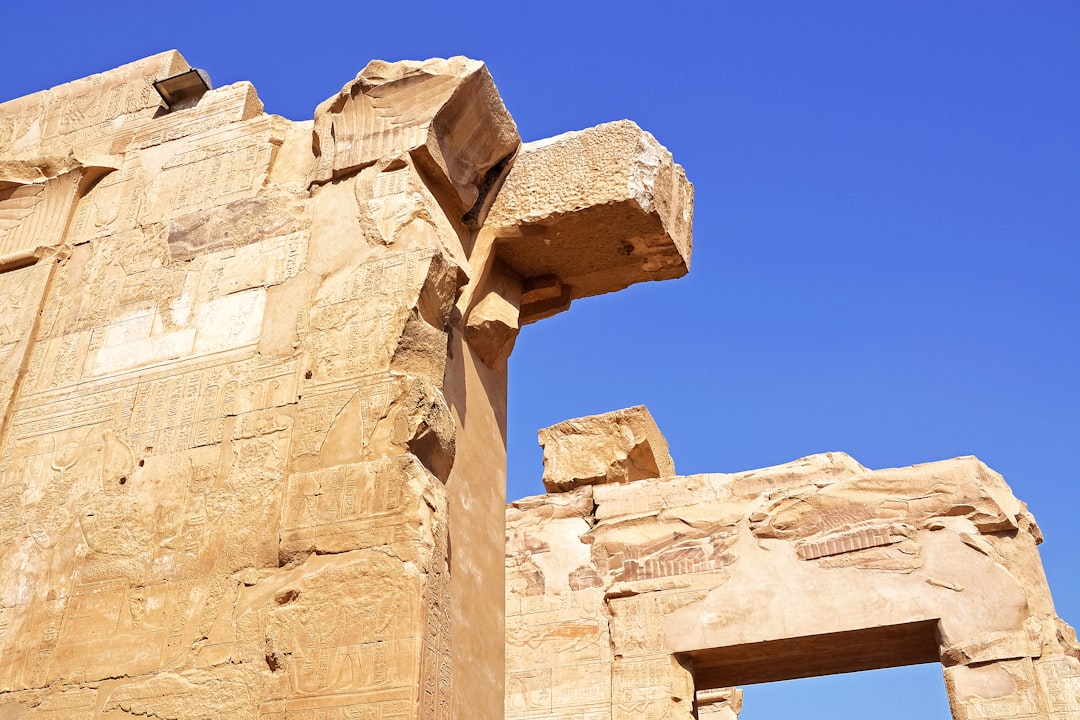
(253, 419)
(636, 593)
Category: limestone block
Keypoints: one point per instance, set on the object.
(213, 167)
(652, 687)
(378, 504)
(240, 223)
(37, 198)
(591, 212)
(63, 704)
(619, 446)
(719, 704)
(446, 113)
(22, 293)
(216, 108)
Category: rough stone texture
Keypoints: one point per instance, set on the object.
(236, 361)
(614, 447)
(619, 212)
(631, 600)
(445, 113)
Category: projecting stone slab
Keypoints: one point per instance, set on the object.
(591, 212)
(617, 446)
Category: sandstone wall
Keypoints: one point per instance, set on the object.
(253, 385)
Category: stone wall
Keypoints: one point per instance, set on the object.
(253, 383)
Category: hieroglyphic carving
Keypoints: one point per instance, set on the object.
(349, 507)
(225, 465)
(436, 676)
(691, 570)
(353, 707)
(358, 317)
(397, 209)
(90, 111)
(321, 406)
(392, 109)
(17, 117)
(558, 655)
(669, 556)
(355, 650)
(645, 688)
(112, 205)
(17, 206)
(136, 541)
(21, 295)
(66, 704)
(1020, 703)
(853, 541)
(216, 167)
(86, 114)
(260, 264)
(637, 621)
(1060, 685)
(35, 215)
(217, 108)
(165, 410)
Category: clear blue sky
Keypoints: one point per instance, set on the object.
(887, 230)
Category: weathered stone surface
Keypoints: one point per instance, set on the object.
(90, 114)
(719, 704)
(591, 212)
(237, 356)
(673, 589)
(445, 113)
(493, 323)
(618, 446)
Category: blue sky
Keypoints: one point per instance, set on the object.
(887, 232)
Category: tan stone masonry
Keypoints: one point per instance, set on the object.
(651, 597)
(253, 383)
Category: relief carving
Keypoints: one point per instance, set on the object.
(252, 372)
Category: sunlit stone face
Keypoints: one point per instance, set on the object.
(253, 387)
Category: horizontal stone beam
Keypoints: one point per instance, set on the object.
(591, 212)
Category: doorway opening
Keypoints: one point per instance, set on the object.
(899, 693)
(887, 672)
